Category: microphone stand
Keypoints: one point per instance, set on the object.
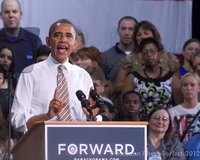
(10, 76)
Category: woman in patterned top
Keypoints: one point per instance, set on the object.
(134, 62)
(156, 85)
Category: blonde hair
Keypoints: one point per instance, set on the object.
(195, 75)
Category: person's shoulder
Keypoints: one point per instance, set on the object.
(175, 108)
(77, 69)
(108, 51)
(30, 34)
(35, 67)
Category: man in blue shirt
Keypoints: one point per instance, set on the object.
(23, 42)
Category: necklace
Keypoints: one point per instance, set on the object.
(150, 76)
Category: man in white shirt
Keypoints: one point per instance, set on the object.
(36, 94)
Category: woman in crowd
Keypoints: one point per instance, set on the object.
(88, 56)
(189, 48)
(183, 114)
(134, 61)
(7, 61)
(156, 85)
(161, 143)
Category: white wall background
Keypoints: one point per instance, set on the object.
(98, 19)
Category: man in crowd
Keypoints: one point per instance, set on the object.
(111, 58)
(23, 42)
(40, 95)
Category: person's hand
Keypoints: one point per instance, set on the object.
(55, 106)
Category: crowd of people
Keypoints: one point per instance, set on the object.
(137, 80)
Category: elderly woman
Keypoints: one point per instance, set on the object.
(189, 48)
(156, 85)
(183, 114)
(134, 62)
(161, 143)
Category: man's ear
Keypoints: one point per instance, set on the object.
(118, 31)
(76, 43)
(21, 14)
(1, 15)
(48, 41)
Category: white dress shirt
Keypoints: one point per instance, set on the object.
(36, 88)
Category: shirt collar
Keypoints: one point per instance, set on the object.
(117, 49)
(22, 35)
(53, 64)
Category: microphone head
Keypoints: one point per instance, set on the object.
(94, 95)
(80, 95)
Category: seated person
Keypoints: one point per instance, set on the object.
(41, 53)
(161, 143)
(157, 86)
(105, 88)
(189, 48)
(192, 148)
(109, 109)
(183, 114)
(131, 105)
(88, 56)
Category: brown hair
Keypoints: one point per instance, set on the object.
(169, 132)
(80, 34)
(196, 54)
(190, 41)
(146, 26)
(12, 66)
(96, 73)
(92, 53)
(127, 18)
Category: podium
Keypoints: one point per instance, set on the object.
(57, 140)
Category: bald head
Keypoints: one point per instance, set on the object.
(10, 1)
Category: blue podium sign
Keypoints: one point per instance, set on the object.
(95, 142)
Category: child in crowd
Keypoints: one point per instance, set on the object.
(109, 110)
(131, 105)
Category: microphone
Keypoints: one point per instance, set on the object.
(99, 102)
(84, 102)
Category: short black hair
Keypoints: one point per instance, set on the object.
(42, 50)
(131, 92)
(62, 21)
(148, 41)
(127, 18)
(110, 107)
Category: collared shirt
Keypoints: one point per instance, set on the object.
(23, 47)
(36, 88)
(110, 62)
